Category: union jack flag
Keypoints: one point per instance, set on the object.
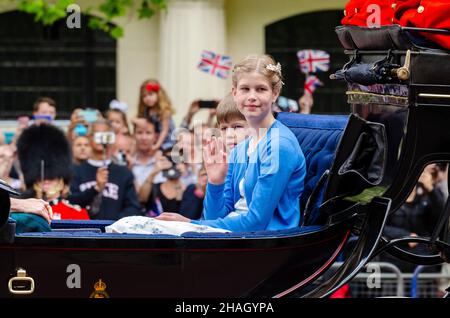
(313, 61)
(312, 83)
(215, 64)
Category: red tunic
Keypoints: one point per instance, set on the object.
(63, 210)
(434, 14)
(361, 12)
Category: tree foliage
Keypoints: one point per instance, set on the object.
(49, 11)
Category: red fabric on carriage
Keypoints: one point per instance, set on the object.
(434, 14)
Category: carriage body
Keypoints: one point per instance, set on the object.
(360, 168)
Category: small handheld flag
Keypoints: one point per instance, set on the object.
(215, 64)
(313, 61)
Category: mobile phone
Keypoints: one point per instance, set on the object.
(105, 138)
(90, 115)
(207, 104)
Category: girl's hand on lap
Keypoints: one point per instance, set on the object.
(166, 216)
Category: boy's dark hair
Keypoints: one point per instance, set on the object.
(41, 100)
(227, 110)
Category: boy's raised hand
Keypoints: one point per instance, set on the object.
(215, 160)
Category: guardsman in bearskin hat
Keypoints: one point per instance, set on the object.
(46, 161)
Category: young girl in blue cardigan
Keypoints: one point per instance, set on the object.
(259, 185)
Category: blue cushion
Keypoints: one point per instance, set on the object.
(89, 234)
(80, 224)
(187, 235)
(318, 136)
(257, 234)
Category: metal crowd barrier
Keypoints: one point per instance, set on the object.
(381, 279)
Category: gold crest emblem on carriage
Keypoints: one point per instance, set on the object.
(99, 290)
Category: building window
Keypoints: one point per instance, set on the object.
(309, 31)
(76, 67)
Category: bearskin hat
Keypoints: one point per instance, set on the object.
(45, 143)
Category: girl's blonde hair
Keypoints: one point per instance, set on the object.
(262, 64)
(163, 106)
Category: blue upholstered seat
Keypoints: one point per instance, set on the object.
(319, 136)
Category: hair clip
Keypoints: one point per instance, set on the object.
(152, 87)
(274, 68)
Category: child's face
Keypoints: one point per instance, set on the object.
(45, 109)
(233, 132)
(117, 123)
(81, 148)
(150, 99)
(254, 96)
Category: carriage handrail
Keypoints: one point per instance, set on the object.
(429, 30)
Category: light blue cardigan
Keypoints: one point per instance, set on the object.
(274, 176)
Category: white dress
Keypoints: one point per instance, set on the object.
(240, 207)
(146, 225)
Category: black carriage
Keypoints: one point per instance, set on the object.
(359, 169)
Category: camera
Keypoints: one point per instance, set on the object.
(105, 138)
(172, 173)
(121, 158)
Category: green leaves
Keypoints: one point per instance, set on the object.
(48, 12)
(146, 11)
(44, 11)
(116, 32)
(115, 8)
(148, 8)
